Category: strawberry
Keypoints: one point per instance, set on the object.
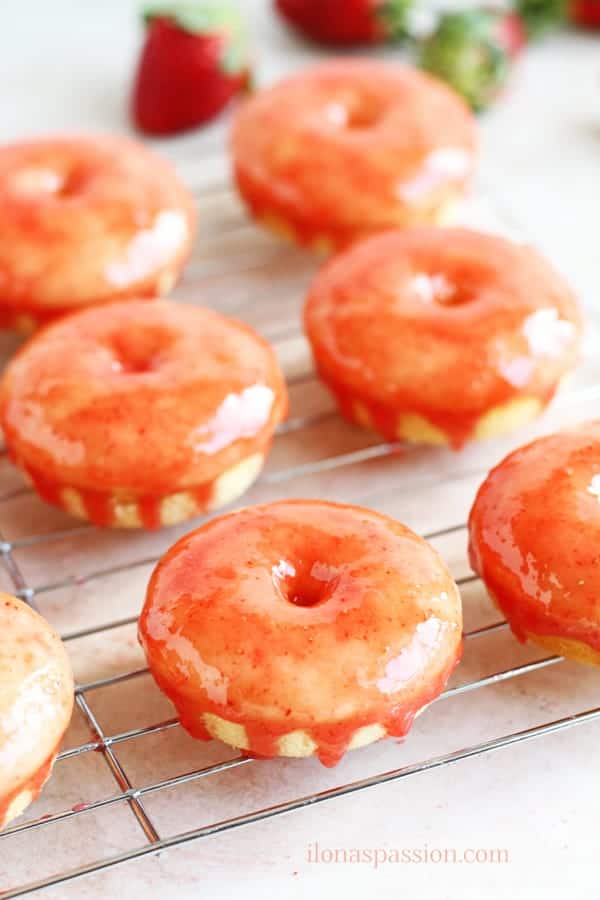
(347, 21)
(473, 50)
(586, 12)
(193, 62)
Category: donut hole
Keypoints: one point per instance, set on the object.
(139, 351)
(38, 180)
(57, 178)
(74, 180)
(355, 113)
(307, 584)
(364, 115)
(438, 288)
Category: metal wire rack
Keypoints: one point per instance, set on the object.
(109, 744)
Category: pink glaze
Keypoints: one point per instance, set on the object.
(86, 220)
(535, 532)
(353, 146)
(301, 615)
(447, 324)
(36, 699)
(141, 398)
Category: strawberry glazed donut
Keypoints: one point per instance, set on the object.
(352, 147)
(36, 699)
(441, 336)
(301, 628)
(534, 536)
(87, 220)
(142, 414)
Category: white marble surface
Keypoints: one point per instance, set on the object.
(67, 65)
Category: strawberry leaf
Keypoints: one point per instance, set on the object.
(541, 16)
(235, 57)
(466, 50)
(197, 16)
(394, 17)
(209, 18)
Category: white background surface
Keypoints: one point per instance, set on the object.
(66, 65)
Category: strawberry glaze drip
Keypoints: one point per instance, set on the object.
(152, 400)
(353, 146)
(315, 230)
(33, 784)
(301, 616)
(99, 506)
(332, 739)
(447, 324)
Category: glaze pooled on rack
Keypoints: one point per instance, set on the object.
(440, 336)
(535, 537)
(351, 147)
(36, 699)
(301, 627)
(87, 220)
(142, 414)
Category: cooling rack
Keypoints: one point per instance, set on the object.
(45, 556)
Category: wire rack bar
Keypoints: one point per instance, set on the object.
(108, 754)
(108, 744)
(16, 576)
(105, 741)
(128, 792)
(133, 796)
(98, 629)
(279, 809)
(376, 451)
(118, 771)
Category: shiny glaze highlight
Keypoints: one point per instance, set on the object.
(36, 699)
(534, 537)
(87, 220)
(301, 616)
(139, 400)
(351, 147)
(447, 325)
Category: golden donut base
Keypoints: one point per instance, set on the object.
(324, 244)
(416, 429)
(293, 744)
(170, 509)
(567, 647)
(27, 320)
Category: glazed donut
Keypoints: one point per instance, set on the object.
(87, 220)
(301, 628)
(534, 535)
(351, 147)
(440, 336)
(36, 699)
(142, 414)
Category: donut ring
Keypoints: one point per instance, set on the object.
(440, 336)
(87, 220)
(36, 700)
(157, 412)
(301, 628)
(534, 534)
(352, 147)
